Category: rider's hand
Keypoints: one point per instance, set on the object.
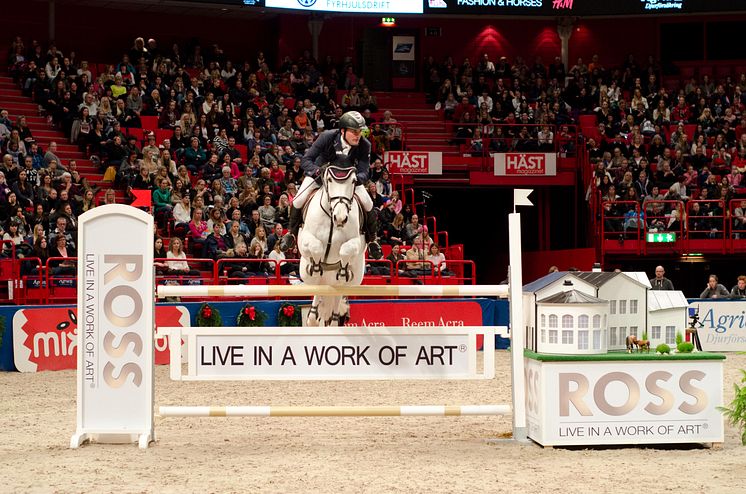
(317, 176)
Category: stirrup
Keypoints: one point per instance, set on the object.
(287, 242)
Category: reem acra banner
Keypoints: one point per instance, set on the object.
(525, 164)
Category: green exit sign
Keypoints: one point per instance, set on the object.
(661, 238)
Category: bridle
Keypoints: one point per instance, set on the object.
(338, 175)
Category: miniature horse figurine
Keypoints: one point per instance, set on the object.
(632, 342)
(643, 345)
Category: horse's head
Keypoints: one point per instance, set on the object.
(339, 184)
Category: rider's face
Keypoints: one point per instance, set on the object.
(352, 136)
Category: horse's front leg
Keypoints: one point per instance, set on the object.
(311, 247)
(313, 319)
(350, 249)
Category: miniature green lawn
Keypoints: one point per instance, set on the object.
(622, 355)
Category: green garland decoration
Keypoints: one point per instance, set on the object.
(289, 315)
(208, 317)
(250, 316)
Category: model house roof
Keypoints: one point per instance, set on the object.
(666, 299)
(639, 276)
(572, 297)
(545, 281)
(598, 279)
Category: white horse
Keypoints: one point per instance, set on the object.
(330, 243)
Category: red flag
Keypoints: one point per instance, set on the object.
(143, 198)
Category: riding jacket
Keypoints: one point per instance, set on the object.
(328, 149)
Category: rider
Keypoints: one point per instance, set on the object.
(343, 147)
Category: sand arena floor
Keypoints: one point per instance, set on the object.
(377, 455)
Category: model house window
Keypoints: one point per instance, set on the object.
(567, 321)
(633, 306)
(622, 334)
(553, 320)
(670, 335)
(655, 332)
(543, 335)
(583, 321)
(612, 306)
(543, 321)
(566, 337)
(622, 306)
(612, 336)
(552, 335)
(633, 330)
(597, 339)
(597, 321)
(583, 340)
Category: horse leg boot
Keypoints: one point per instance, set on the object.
(295, 219)
(370, 226)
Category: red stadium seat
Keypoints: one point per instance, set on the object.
(149, 123)
(162, 134)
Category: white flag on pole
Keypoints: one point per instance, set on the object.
(520, 197)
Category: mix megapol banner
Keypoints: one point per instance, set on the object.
(41, 338)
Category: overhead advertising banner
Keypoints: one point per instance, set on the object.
(721, 325)
(414, 162)
(351, 6)
(604, 403)
(525, 164)
(579, 7)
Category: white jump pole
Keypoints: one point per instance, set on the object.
(334, 411)
(517, 337)
(313, 290)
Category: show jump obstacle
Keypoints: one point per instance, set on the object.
(116, 333)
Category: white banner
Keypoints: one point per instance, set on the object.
(115, 325)
(331, 353)
(402, 48)
(642, 402)
(414, 162)
(355, 6)
(724, 325)
(525, 164)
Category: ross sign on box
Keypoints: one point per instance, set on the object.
(646, 402)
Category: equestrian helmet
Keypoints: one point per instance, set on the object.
(352, 120)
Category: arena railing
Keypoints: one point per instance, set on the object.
(660, 219)
(61, 275)
(706, 231)
(617, 227)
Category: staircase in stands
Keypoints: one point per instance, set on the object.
(424, 127)
(17, 105)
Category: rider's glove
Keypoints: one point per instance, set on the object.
(316, 175)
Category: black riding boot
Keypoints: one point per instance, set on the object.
(295, 219)
(370, 226)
